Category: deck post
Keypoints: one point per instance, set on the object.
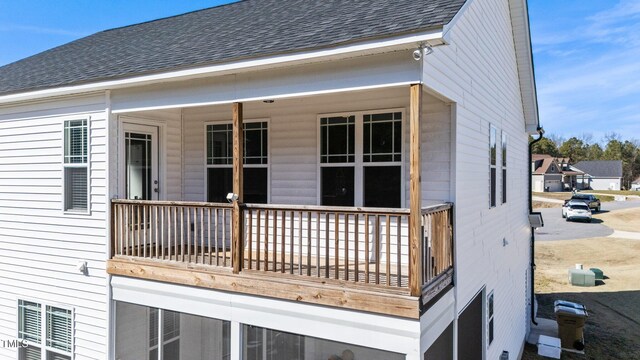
(415, 223)
(238, 152)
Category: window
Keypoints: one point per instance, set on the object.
(51, 341)
(76, 189)
(220, 162)
(183, 336)
(490, 332)
(337, 158)
(492, 166)
(170, 334)
(504, 167)
(267, 344)
(346, 156)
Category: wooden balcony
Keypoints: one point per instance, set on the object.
(357, 258)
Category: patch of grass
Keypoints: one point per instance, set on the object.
(545, 205)
(612, 192)
(567, 195)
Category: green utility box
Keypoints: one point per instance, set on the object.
(599, 274)
(579, 277)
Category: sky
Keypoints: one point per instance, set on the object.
(586, 52)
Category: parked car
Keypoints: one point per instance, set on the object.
(590, 200)
(576, 210)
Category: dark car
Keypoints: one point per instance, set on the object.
(591, 200)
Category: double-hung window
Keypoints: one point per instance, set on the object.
(220, 162)
(47, 330)
(492, 166)
(337, 159)
(76, 172)
(361, 159)
(504, 167)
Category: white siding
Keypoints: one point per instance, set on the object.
(604, 183)
(41, 245)
(293, 139)
(478, 70)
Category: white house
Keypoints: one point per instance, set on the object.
(600, 174)
(379, 210)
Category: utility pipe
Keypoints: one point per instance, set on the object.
(540, 131)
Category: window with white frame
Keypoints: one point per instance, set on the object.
(169, 332)
(504, 167)
(492, 166)
(47, 329)
(490, 322)
(355, 149)
(76, 188)
(220, 162)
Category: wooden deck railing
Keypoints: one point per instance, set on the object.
(188, 232)
(360, 245)
(437, 241)
(348, 244)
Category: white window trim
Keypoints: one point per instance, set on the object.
(43, 326)
(492, 194)
(128, 120)
(359, 164)
(490, 317)
(161, 340)
(504, 143)
(267, 165)
(86, 165)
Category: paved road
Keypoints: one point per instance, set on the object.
(557, 228)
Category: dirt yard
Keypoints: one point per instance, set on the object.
(625, 220)
(613, 327)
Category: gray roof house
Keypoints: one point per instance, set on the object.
(600, 174)
(273, 177)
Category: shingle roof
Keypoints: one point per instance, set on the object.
(245, 29)
(601, 168)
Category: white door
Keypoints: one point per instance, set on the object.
(141, 162)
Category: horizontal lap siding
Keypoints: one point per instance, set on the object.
(293, 137)
(41, 246)
(482, 78)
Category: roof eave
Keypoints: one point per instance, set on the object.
(368, 47)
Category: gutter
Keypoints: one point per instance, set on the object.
(374, 46)
(532, 262)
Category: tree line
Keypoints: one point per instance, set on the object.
(612, 147)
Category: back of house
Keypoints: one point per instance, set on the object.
(268, 179)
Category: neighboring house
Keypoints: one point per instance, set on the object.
(375, 152)
(600, 174)
(635, 185)
(552, 174)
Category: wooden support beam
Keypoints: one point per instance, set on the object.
(415, 204)
(334, 293)
(238, 152)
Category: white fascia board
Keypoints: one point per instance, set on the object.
(345, 51)
(534, 120)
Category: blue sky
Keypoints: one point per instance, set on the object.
(587, 52)
(587, 62)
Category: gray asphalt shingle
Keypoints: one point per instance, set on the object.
(246, 29)
(601, 168)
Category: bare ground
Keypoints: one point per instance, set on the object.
(625, 220)
(614, 306)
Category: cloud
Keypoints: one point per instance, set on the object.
(589, 76)
(39, 30)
